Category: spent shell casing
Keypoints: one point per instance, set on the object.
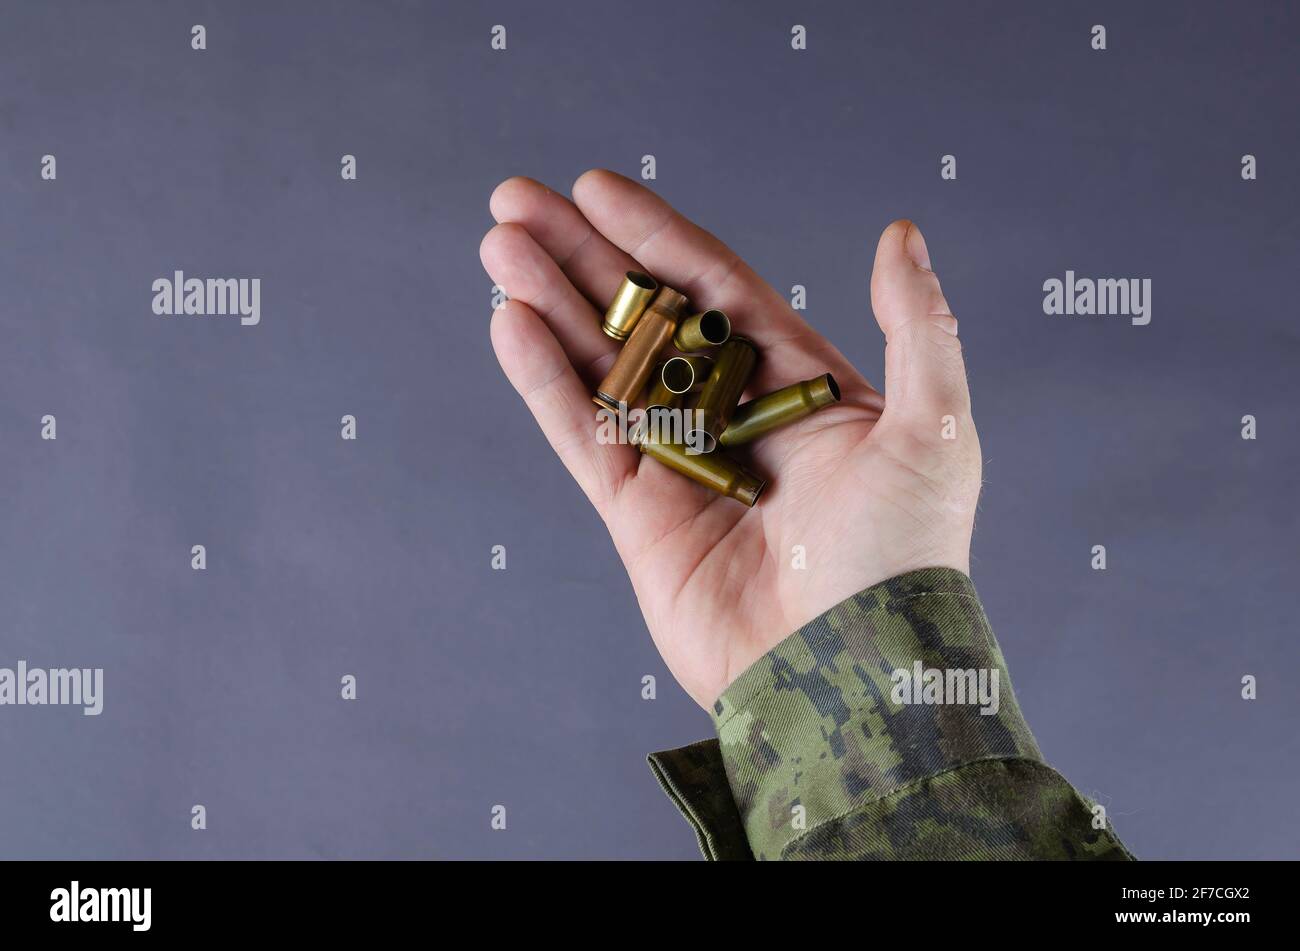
(659, 396)
(636, 361)
(717, 400)
(658, 399)
(713, 470)
(683, 374)
(779, 408)
(630, 301)
(709, 328)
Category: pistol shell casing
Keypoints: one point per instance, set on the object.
(779, 408)
(710, 328)
(635, 362)
(717, 401)
(630, 301)
(714, 470)
(683, 374)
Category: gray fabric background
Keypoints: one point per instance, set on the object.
(522, 687)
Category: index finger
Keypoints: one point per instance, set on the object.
(685, 256)
(677, 251)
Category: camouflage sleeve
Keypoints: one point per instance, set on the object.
(884, 729)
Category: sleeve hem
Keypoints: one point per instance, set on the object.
(695, 781)
(683, 804)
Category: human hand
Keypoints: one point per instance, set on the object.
(869, 489)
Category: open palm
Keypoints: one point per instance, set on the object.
(858, 492)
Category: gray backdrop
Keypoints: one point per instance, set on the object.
(478, 687)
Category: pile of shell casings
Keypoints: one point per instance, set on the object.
(707, 377)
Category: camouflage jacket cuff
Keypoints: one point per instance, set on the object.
(694, 778)
(895, 685)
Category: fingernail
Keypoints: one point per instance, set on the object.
(914, 244)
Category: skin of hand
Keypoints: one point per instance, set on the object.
(870, 488)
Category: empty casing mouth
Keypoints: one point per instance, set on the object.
(630, 301)
(683, 374)
(677, 375)
(825, 390)
(711, 328)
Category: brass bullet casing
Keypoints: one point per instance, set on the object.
(715, 471)
(630, 301)
(710, 328)
(627, 377)
(717, 401)
(683, 374)
(659, 395)
(658, 398)
(779, 408)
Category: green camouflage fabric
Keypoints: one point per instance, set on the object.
(825, 752)
(695, 779)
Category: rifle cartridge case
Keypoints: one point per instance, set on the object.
(717, 401)
(710, 328)
(630, 301)
(658, 398)
(715, 471)
(635, 362)
(779, 408)
(683, 374)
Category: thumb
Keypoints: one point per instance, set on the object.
(925, 376)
